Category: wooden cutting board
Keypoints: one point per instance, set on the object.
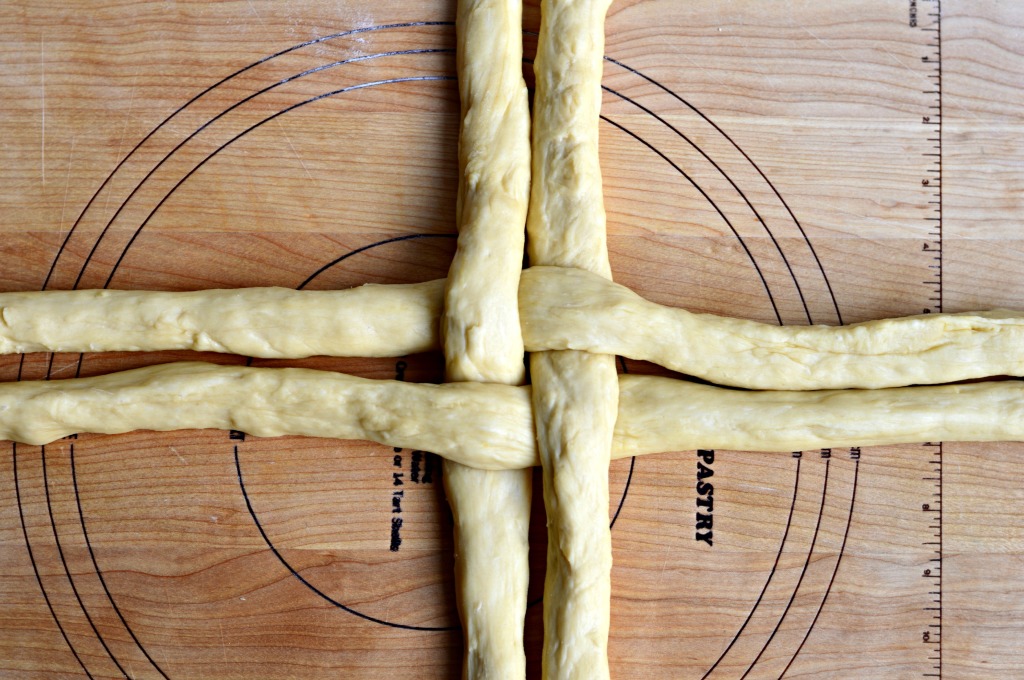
(788, 162)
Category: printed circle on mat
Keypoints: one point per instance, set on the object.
(310, 139)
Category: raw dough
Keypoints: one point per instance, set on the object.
(368, 321)
(469, 422)
(480, 330)
(662, 414)
(490, 426)
(574, 309)
(560, 308)
(574, 394)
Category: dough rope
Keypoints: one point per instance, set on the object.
(575, 394)
(560, 308)
(459, 418)
(490, 427)
(274, 323)
(480, 331)
(573, 309)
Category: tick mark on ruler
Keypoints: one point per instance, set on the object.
(930, 25)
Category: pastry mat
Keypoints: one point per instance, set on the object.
(786, 162)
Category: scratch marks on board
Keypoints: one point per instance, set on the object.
(295, 151)
(257, 13)
(176, 453)
(128, 114)
(67, 190)
(852, 65)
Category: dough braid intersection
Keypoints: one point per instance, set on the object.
(577, 415)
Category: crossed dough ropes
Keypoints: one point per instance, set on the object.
(576, 399)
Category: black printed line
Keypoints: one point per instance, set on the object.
(710, 200)
(207, 124)
(803, 572)
(302, 579)
(736, 146)
(350, 88)
(396, 239)
(342, 34)
(632, 465)
(622, 501)
(760, 219)
(35, 567)
(67, 571)
(700, 189)
(216, 151)
(842, 550)
(99, 572)
(771, 575)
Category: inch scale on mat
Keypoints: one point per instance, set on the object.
(930, 22)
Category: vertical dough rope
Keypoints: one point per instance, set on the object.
(575, 395)
(481, 334)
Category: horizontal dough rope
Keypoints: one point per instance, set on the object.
(280, 323)
(470, 422)
(491, 426)
(662, 414)
(572, 309)
(561, 309)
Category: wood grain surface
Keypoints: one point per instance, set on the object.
(774, 161)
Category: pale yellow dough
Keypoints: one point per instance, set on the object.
(560, 308)
(490, 426)
(480, 331)
(574, 309)
(574, 393)
(662, 414)
(461, 419)
(368, 321)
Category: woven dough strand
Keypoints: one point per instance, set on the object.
(574, 309)
(560, 308)
(490, 426)
(575, 394)
(480, 330)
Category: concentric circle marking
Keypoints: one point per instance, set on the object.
(610, 119)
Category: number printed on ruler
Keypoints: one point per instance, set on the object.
(926, 16)
(931, 119)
